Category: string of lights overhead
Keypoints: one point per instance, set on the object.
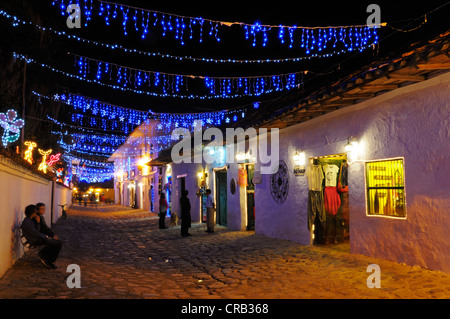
(15, 21)
(167, 83)
(167, 121)
(311, 39)
(249, 89)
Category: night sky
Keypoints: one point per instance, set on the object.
(232, 45)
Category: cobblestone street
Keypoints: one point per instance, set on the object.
(123, 254)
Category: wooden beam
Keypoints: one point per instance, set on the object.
(357, 96)
(407, 77)
(380, 87)
(433, 66)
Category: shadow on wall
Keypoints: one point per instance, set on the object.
(16, 244)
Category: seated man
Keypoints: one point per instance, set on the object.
(41, 225)
(51, 249)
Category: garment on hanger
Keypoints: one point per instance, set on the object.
(331, 172)
(315, 208)
(332, 200)
(315, 177)
(344, 174)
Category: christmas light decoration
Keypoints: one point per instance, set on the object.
(115, 47)
(124, 88)
(311, 39)
(121, 115)
(67, 180)
(43, 166)
(59, 175)
(28, 156)
(11, 127)
(53, 159)
(216, 86)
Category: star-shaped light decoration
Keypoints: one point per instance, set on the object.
(11, 127)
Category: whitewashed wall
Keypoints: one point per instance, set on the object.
(62, 195)
(191, 184)
(411, 122)
(19, 188)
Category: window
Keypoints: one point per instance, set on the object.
(385, 184)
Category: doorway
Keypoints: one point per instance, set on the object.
(328, 205)
(181, 185)
(250, 189)
(221, 197)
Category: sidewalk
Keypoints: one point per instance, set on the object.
(123, 254)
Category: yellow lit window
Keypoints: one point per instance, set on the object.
(385, 184)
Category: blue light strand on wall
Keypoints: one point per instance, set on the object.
(258, 34)
(116, 47)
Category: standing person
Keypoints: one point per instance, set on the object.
(52, 247)
(162, 211)
(85, 200)
(185, 214)
(210, 212)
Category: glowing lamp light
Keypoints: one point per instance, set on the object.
(351, 144)
(353, 148)
(348, 147)
(242, 157)
(300, 158)
(143, 161)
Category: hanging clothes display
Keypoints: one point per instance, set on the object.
(343, 218)
(328, 207)
(315, 178)
(331, 172)
(332, 200)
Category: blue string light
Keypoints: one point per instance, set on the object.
(349, 39)
(16, 22)
(117, 87)
(120, 117)
(226, 86)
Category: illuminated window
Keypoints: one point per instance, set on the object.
(385, 182)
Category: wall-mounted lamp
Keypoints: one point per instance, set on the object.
(143, 161)
(351, 143)
(299, 157)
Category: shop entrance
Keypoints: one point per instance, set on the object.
(221, 197)
(132, 194)
(250, 197)
(328, 207)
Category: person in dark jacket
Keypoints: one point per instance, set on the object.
(41, 225)
(185, 214)
(34, 237)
